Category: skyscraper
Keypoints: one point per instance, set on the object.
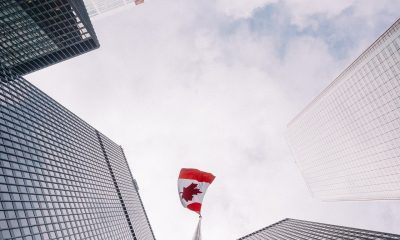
(298, 229)
(59, 177)
(347, 141)
(97, 7)
(36, 34)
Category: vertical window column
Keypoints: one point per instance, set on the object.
(116, 185)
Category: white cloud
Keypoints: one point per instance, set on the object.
(302, 12)
(239, 8)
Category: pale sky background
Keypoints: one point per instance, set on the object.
(211, 84)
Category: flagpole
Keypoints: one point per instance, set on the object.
(197, 234)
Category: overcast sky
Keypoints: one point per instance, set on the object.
(211, 84)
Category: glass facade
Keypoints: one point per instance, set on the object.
(97, 7)
(36, 34)
(347, 141)
(298, 229)
(127, 189)
(59, 177)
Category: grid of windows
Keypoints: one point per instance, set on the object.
(96, 7)
(298, 229)
(55, 182)
(129, 192)
(347, 141)
(36, 34)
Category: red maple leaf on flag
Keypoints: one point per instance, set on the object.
(190, 191)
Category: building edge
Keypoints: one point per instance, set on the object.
(137, 190)
(262, 229)
(351, 67)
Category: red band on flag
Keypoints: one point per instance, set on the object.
(194, 174)
(196, 207)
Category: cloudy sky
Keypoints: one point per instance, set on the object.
(211, 84)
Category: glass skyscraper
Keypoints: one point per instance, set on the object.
(36, 34)
(59, 177)
(347, 141)
(298, 229)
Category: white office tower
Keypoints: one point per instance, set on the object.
(97, 7)
(347, 141)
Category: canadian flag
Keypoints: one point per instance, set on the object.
(192, 186)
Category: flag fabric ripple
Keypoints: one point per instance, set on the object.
(192, 186)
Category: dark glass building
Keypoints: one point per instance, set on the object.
(298, 229)
(59, 177)
(38, 33)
